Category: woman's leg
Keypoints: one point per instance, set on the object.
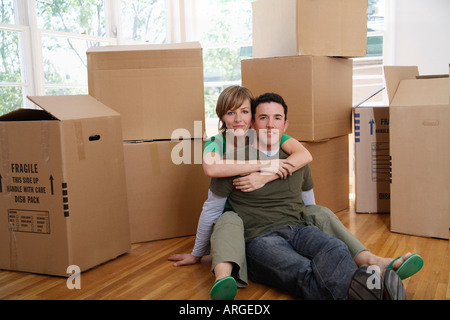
(324, 219)
(228, 248)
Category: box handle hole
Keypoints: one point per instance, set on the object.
(95, 137)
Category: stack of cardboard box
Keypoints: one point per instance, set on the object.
(158, 91)
(86, 176)
(301, 50)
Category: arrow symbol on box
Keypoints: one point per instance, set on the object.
(51, 183)
(371, 122)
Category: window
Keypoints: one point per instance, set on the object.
(7, 12)
(11, 84)
(224, 28)
(368, 71)
(11, 74)
(67, 29)
(44, 42)
(80, 17)
(145, 21)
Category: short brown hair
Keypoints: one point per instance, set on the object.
(230, 99)
(269, 97)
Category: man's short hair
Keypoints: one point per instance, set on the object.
(269, 97)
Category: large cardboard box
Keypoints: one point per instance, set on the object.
(155, 88)
(420, 152)
(62, 186)
(372, 159)
(309, 27)
(330, 170)
(317, 90)
(166, 188)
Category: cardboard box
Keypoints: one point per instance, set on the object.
(155, 88)
(317, 90)
(62, 186)
(165, 196)
(372, 159)
(330, 170)
(309, 27)
(420, 152)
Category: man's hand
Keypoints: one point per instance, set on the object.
(184, 259)
(252, 182)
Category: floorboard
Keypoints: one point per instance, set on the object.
(146, 274)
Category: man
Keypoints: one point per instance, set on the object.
(283, 252)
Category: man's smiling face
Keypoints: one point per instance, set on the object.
(270, 124)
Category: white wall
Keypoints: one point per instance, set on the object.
(418, 34)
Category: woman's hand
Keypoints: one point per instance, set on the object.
(184, 259)
(282, 167)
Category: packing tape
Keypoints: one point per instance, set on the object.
(172, 144)
(5, 171)
(12, 249)
(80, 143)
(45, 139)
(4, 150)
(154, 158)
(155, 155)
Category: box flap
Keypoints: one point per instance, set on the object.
(394, 74)
(145, 47)
(24, 114)
(422, 92)
(368, 97)
(71, 107)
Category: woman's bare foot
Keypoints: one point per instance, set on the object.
(368, 258)
(223, 269)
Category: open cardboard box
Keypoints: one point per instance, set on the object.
(62, 186)
(372, 159)
(420, 152)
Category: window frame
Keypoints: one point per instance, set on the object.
(30, 42)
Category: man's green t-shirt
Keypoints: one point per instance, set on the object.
(218, 145)
(276, 205)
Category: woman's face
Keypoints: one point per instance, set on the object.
(239, 119)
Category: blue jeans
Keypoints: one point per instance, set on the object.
(302, 260)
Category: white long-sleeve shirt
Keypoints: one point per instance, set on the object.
(211, 211)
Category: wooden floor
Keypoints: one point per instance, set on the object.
(145, 272)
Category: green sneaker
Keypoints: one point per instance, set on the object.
(224, 289)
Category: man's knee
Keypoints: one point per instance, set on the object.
(318, 215)
(229, 217)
